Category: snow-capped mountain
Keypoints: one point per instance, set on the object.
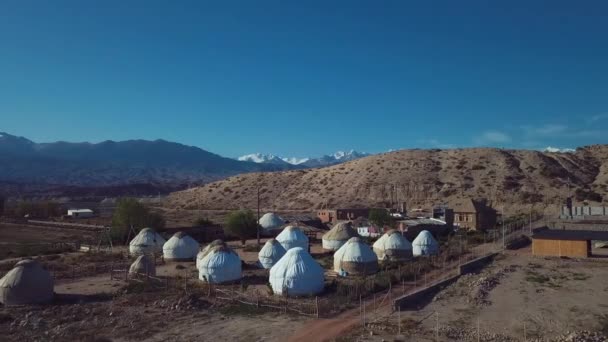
(295, 161)
(558, 150)
(326, 160)
(262, 158)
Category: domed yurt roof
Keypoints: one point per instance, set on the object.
(203, 253)
(338, 235)
(291, 237)
(270, 253)
(355, 257)
(145, 242)
(393, 246)
(180, 247)
(220, 265)
(425, 244)
(271, 221)
(297, 273)
(143, 266)
(27, 283)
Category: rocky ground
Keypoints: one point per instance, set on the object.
(516, 298)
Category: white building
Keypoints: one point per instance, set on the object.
(80, 213)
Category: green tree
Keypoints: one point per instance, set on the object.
(131, 213)
(380, 217)
(203, 222)
(241, 224)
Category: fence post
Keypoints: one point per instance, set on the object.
(317, 305)
(126, 273)
(73, 272)
(361, 310)
(112, 271)
(399, 318)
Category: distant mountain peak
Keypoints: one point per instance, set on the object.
(325, 160)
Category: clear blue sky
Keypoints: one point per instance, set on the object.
(300, 78)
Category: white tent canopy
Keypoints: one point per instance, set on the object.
(425, 244)
(271, 253)
(27, 283)
(147, 241)
(297, 273)
(180, 247)
(270, 222)
(393, 246)
(355, 257)
(338, 235)
(220, 265)
(291, 237)
(143, 266)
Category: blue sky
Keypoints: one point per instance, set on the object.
(303, 78)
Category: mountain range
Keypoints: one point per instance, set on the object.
(159, 165)
(512, 180)
(325, 160)
(110, 163)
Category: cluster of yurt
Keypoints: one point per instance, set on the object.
(147, 241)
(425, 244)
(218, 264)
(27, 283)
(291, 237)
(355, 257)
(392, 246)
(270, 222)
(270, 254)
(180, 247)
(338, 235)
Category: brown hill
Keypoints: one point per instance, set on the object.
(513, 178)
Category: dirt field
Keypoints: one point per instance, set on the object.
(516, 296)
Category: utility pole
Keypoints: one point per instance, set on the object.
(530, 219)
(258, 226)
(503, 226)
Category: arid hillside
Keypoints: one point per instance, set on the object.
(513, 178)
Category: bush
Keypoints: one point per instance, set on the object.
(241, 224)
(131, 213)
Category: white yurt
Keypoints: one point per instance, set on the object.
(220, 265)
(291, 237)
(270, 222)
(180, 247)
(425, 244)
(147, 241)
(27, 283)
(270, 253)
(142, 266)
(338, 235)
(297, 273)
(355, 257)
(392, 246)
(201, 255)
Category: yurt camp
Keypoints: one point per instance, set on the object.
(142, 266)
(291, 237)
(338, 235)
(355, 258)
(27, 283)
(392, 245)
(296, 274)
(203, 253)
(180, 247)
(270, 222)
(147, 241)
(220, 265)
(425, 244)
(270, 253)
